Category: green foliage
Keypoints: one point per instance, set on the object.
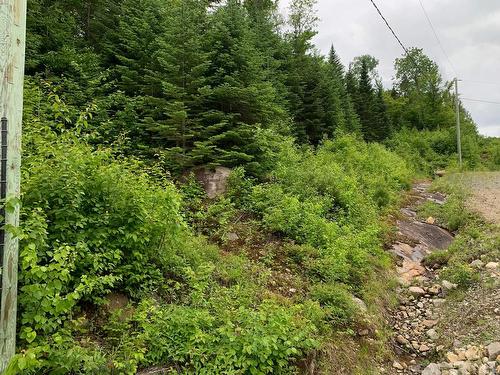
(239, 340)
(122, 95)
(338, 303)
(329, 199)
(453, 214)
(461, 274)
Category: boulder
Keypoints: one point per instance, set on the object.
(397, 365)
(360, 304)
(440, 173)
(214, 181)
(478, 263)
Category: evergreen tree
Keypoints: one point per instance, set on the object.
(365, 100)
(239, 98)
(382, 124)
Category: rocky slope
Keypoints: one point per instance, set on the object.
(423, 315)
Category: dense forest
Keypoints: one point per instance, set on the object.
(125, 99)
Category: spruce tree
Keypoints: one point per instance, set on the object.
(239, 99)
(365, 103)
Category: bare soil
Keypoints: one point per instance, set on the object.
(485, 193)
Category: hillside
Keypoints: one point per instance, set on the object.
(204, 193)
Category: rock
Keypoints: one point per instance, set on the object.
(359, 303)
(432, 369)
(423, 348)
(492, 266)
(115, 301)
(461, 355)
(429, 323)
(477, 263)
(398, 365)
(214, 182)
(435, 289)
(433, 335)
(401, 340)
(118, 303)
(483, 370)
(493, 350)
(448, 286)
(416, 290)
(430, 236)
(364, 332)
(232, 237)
(452, 357)
(440, 173)
(430, 220)
(473, 353)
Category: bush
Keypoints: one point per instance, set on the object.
(253, 341)
(461, 274)
(331, 199)
(337, 301)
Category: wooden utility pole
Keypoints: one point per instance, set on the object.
(459, 138)
(12, 49)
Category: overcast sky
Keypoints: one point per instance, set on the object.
(468, 29)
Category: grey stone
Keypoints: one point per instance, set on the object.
(433, 335)
(432, 369)
(448, 286)
(231, 236)
(493, 350)
(492, 265)
(416, 290)
(359, 303)
(213, 181)
(478, 263)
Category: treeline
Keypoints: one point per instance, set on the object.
(192, 82)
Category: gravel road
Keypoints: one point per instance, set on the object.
(485, 189)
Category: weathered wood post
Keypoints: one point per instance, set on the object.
(12, 49)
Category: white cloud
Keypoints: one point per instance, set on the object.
(469, 31)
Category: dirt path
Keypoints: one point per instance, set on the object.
(485, 193)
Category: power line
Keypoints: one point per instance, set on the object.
(482, 82)
(440, 44)
(390, 28)
(437, 37)
(480, 101)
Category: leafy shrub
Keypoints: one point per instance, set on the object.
(254, 341)
(331, 199)
(338, 303)
(461, 274)
(429, 150)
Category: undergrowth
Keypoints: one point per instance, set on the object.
(251, 282)
(475, 239)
